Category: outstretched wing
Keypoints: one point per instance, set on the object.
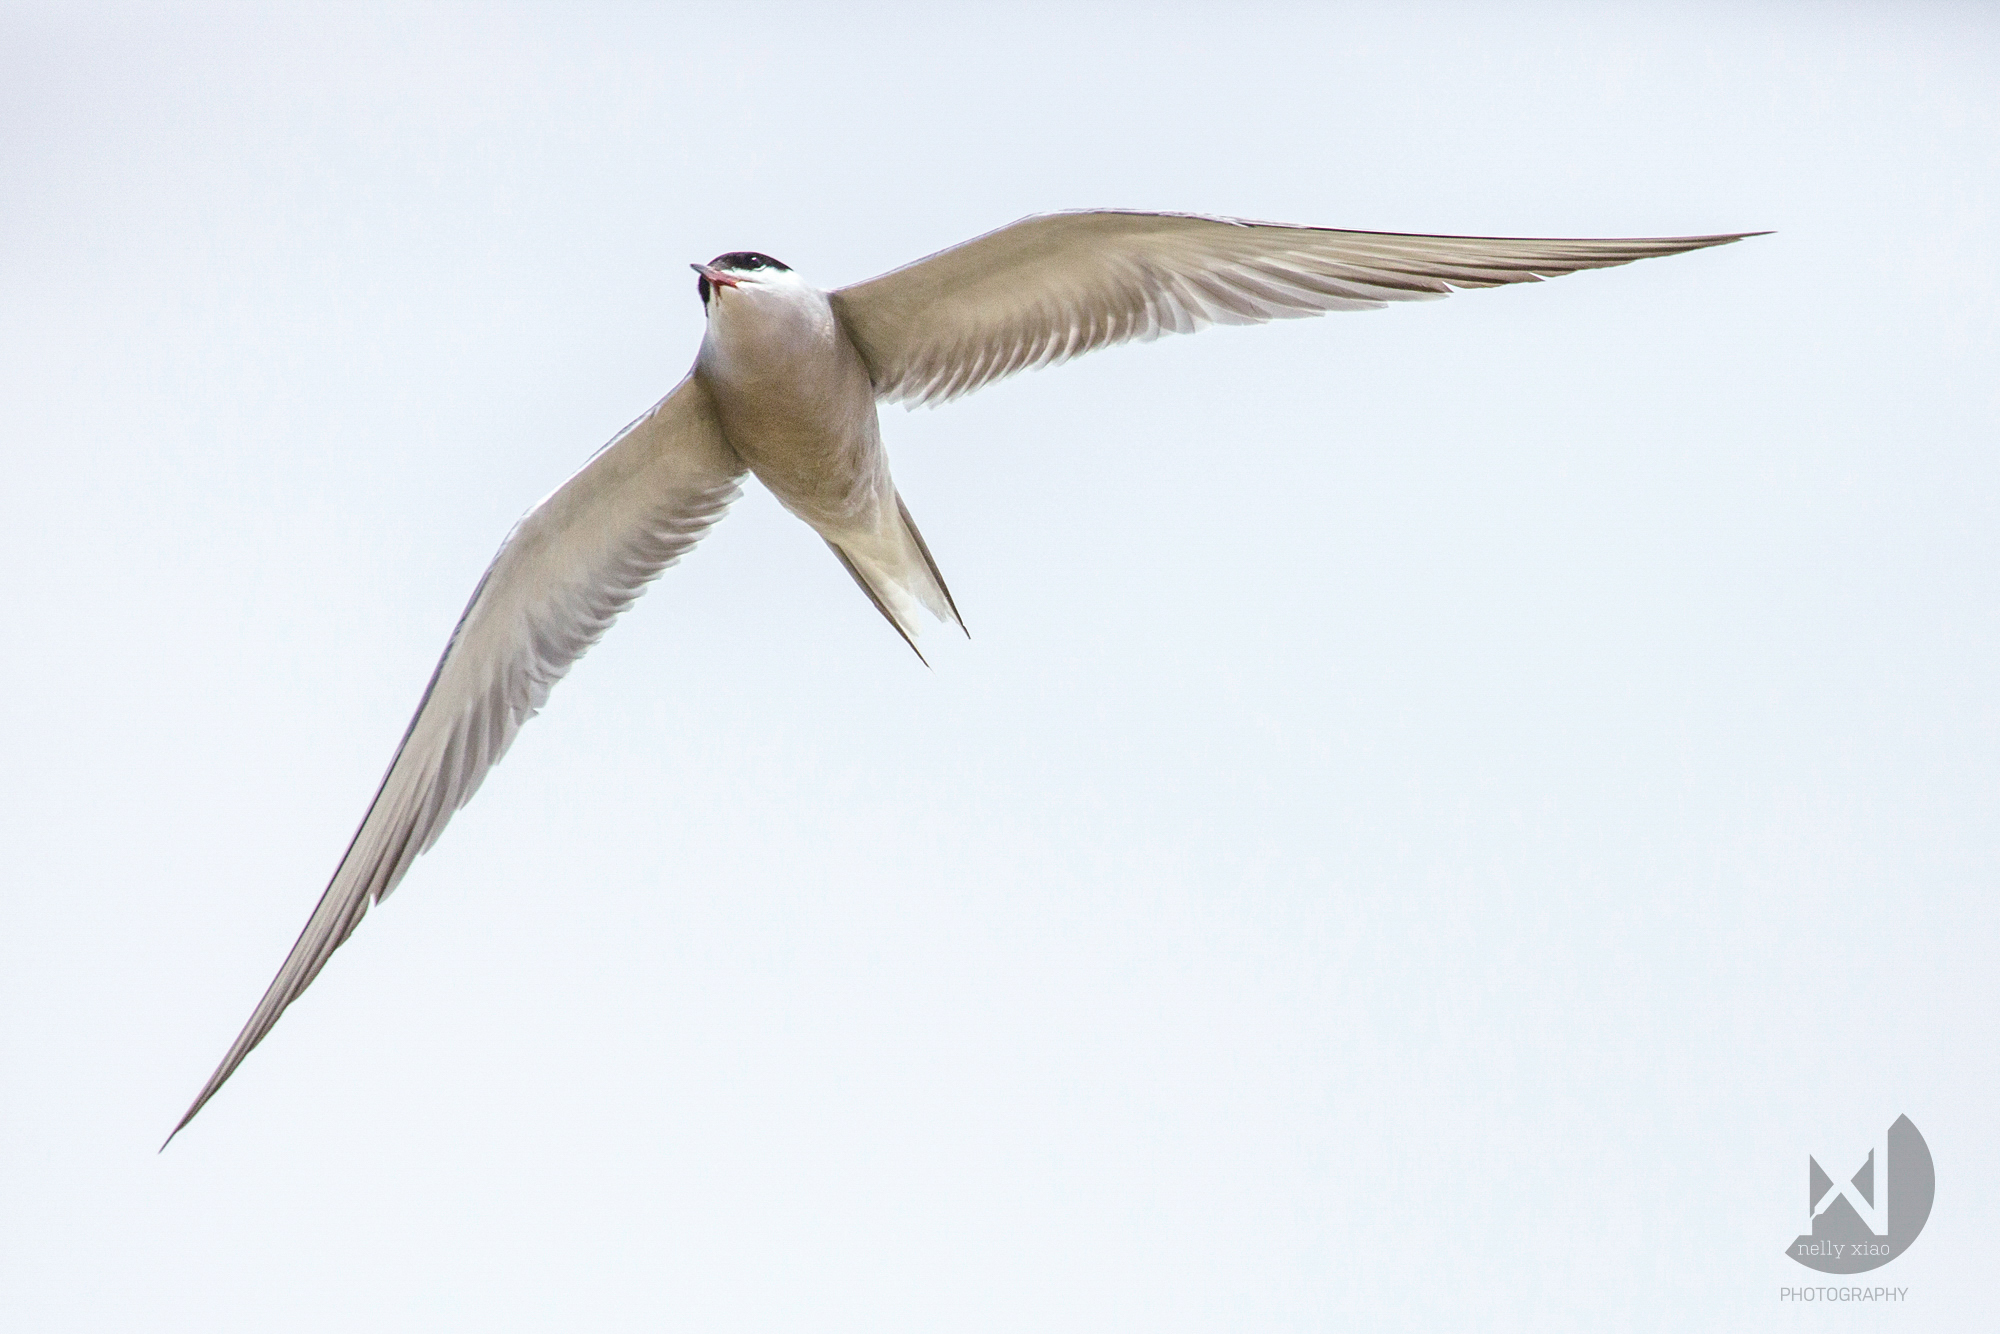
(562, 576)
(1057, 285)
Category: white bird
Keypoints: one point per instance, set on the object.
(785, 386)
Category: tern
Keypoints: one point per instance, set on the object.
(785, 388)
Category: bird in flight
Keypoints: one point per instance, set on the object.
(785, 387)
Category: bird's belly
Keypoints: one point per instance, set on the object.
(834, 479)
(813, 440)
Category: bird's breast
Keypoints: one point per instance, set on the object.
(796, 402)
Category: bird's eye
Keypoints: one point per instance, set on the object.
(754, 262)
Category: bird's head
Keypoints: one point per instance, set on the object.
(740, 269)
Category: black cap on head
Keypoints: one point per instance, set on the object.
(749, 261)
(739, 261)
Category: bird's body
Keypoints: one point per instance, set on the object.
(786, 387)
(795, 400)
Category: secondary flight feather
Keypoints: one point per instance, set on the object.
(785, 387)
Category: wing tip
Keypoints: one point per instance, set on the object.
(1719, 238)
(188, 1116)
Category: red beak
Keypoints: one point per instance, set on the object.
(714, 275)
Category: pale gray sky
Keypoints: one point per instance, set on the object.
(1442, 811)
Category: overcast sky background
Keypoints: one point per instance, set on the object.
(1441, 812)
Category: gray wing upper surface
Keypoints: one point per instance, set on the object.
(563, 575)
(1057, 285)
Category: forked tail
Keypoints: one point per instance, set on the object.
(895, 569)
